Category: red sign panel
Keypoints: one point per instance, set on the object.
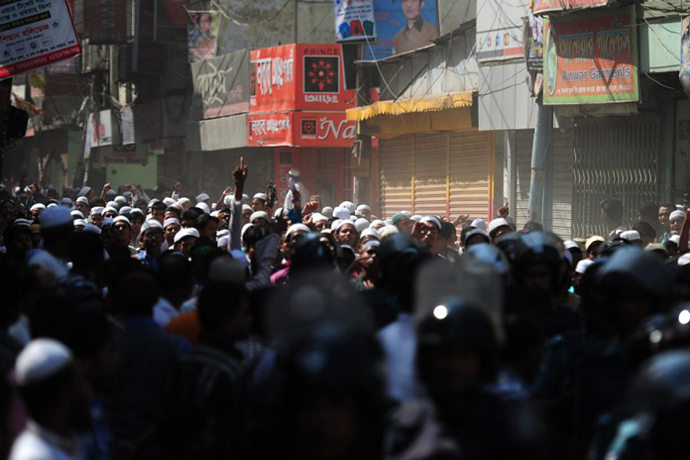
(544, 6)
(298, 77)
(105, 22)
(301, 129)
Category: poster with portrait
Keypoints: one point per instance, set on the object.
(402, 26)
(202, 35)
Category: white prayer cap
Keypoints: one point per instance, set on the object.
(327, 211)
(66, 200)
(79, 223)
(97, 210)
(152, 202)
(260, 196)
(684, 259)
(497, 223)
(416, 218)
(630, 235)
(203, 206)
(363, 207)
(361, 224)
(40, 360)
(125, 210)
(92, 229)
(341, 213)
(122, 219)
(136, 211)
(570, 244)
(295, 228)
(376, 223)
(111, 204)
(221, 233)
(431, 220)
(675, 239)
(388, 230)
(476, 231)
(37, 206)
(353, 218)
(278, 212)
(677, 214)
(23, 222)
(327, 230)
(109, 209)
(82, 199)
(370, 232)
(149, 224)
(185, 232)
(318, 217)
(120, 199)
(479, 223)
(184, 200)
(349, 205)
(51, 205)
(245, 228)
(54, 217)
(223, 240)
(583, 265)
(77, 214)
(259, 215)
(335, 224)
(294, 172)
(246, 207)
(168, 201)
(203, 196)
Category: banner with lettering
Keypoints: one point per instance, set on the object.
(544, 6)
(298, 77)
(354, 20)
(202, 35)
(301, 129)
(34, 34)
(591, 57)
(221, 85)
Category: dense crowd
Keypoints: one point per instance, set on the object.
(139, 325)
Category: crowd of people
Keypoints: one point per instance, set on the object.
(139, 327)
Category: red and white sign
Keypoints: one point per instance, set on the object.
(298, 77)
(105, 22)
(35, 34)
(301, 129)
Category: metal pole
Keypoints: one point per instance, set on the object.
(542, 150)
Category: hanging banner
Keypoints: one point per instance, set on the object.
(202, 35)
(544, 6)
(35, 34)
(591, 58)
(402, 26)
(685, 56)
(301, 129)
(221, 85)
(270, 129)
(298, 77)
(105, 22)
(354, 20)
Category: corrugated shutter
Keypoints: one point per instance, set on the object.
(562, 184)
(395, 167)
(430, 166)
(523, 173)
(470, 155)
(613, 157)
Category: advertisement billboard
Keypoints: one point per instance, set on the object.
(301, 129)
(221, 85)
(298, 77)
(105, 22)
(544, 6)
(354, 20)
(591, 58)
(402, 26)
(202, 34)
(35, 34)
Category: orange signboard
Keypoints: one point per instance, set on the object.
(591, 58)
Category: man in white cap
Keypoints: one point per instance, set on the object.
(56, 400)
(171, 226)
(365, 210)
(497, 228)
(676, 220)
(121, 234)
(294, 181)
(82, 205)
(261, 219)
(36, 211)
(184, 240)
(96, 216)
(259, 202)
(203, 197)
(428, 232)
(152, 241)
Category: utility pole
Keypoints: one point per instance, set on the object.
(542, 153)
(5, 95)
(362, 183)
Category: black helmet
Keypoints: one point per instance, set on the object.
(454, 322)
(539, 247)
(310, 252)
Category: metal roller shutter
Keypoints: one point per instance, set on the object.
(562, 184)
(523, 174)
(613, 157)
(430, 174)
(395, 168)
(470, 172)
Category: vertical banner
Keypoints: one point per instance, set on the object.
(105, 22)
(403, 26)
(202, 35)
(35, 34)
(354, 20)
(591, 57)
(685, 56)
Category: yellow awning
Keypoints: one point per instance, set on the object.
(400, 107)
